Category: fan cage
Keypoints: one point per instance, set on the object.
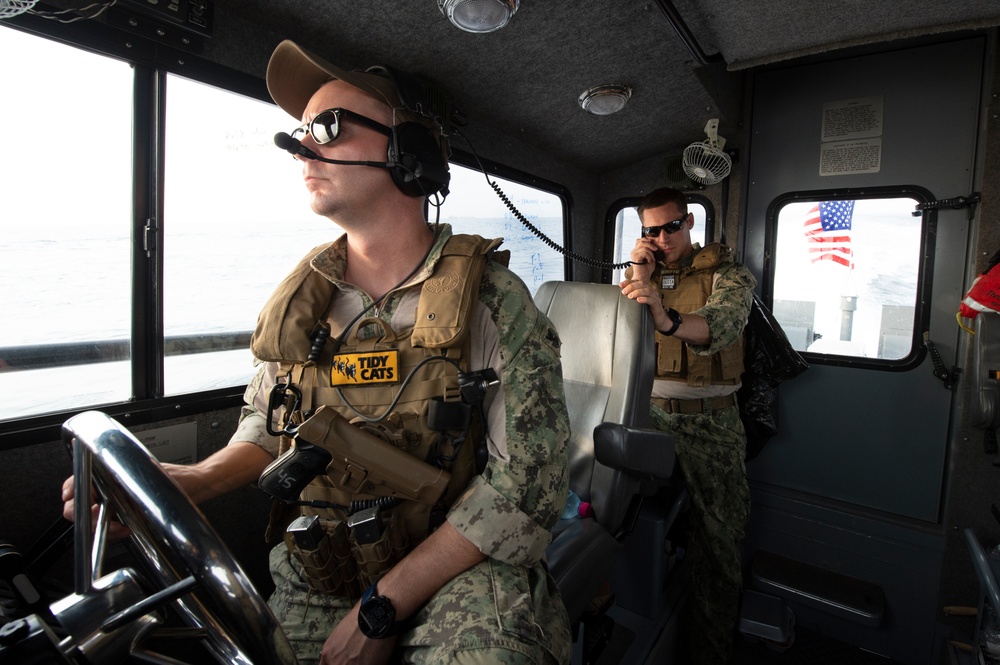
(11, 8)
(706, 165)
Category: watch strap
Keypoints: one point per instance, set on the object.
(675, 318)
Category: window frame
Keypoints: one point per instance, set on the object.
(472, 161)
(925, 269)
(151, 63)
(633, 202)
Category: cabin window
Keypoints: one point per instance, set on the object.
(627, 229)
(82, 282)
(474, 207)
(236, 220)
(65, 202)
(846, 276)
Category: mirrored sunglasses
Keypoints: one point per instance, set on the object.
(325, 126)
(669, 227)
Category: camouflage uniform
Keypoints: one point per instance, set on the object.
(711, 447)
(507, 608)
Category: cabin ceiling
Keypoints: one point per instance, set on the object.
(526, 78)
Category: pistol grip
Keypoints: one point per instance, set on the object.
(288, 475)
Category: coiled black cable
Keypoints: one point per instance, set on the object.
(318, 341)
(355, 506)
(579, 258)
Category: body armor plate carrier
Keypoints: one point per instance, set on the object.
(426, 363)
(692, 286)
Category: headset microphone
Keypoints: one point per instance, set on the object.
(294, 146)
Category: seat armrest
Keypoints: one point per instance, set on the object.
(645, 453)
(579, 558)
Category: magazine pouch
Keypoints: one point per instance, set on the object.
(330, 567)
(375, 558)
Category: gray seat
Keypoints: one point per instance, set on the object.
(987, 570)
(608, 363)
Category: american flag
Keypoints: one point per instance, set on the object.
(828, 232)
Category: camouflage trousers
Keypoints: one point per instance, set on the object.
(710, 450)
(493, 613)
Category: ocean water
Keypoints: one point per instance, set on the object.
(75, 286)
(72, 284)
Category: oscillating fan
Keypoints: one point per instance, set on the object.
(704, 161)
(9, 8)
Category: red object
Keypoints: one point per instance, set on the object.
(983, 296)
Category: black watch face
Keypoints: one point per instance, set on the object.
(376, 617)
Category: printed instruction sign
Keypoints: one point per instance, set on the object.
(843, 157)
(177, 444)
(851, 136)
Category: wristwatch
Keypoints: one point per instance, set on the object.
(377, 616)
(676, 318)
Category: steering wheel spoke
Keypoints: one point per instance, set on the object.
(185, 565)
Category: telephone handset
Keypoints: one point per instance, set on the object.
(659, 255)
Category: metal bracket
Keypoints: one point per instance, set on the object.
(940, 371)
(149, 235)
(957, 202)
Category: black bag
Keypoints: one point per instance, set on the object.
(768, 359)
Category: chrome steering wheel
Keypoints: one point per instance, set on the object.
(115, 616)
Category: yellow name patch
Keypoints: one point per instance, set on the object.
(352, 369)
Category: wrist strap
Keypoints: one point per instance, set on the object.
(675, 317)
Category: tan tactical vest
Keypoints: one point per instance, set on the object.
(692, 286)
(440, 331)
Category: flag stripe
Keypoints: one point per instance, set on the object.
(827, 228)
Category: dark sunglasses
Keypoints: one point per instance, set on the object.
(325, 127)
(669, 227)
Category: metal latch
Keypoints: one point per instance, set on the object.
(940, 371)
(957, 202)
(149, 237)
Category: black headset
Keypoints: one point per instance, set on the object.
(419, 166)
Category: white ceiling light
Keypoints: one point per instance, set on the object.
(478, 15)
(605, 99)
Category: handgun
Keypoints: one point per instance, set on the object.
(288, 475)
(356, 461)
(365, 464)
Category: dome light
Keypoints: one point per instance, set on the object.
(605, 99)
(479, 16)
